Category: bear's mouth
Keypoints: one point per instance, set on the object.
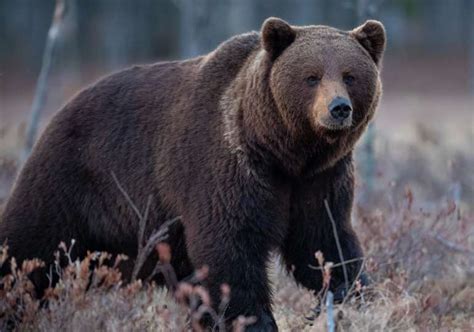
(333, 125)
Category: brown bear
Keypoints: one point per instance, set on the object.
(246, 144)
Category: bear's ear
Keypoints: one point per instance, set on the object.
(277, 35)
(371, 35)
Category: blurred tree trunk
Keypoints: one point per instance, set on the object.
(469, 6)
(69, 58)
(117, 31)
(308, 12)
(195, 17)
(367, 152)
(241, 16)
(42, 84)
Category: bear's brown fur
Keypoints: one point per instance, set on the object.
(241, 143)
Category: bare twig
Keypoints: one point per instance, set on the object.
(200, 312)
(451, 245)
(41, 86)
(156, 237)
(3, 253)
(338, 244)
(354, 282)
(142, 225)
(330, 311)
(127, 197)
(168, 273)
(159, 235)
(349, 261)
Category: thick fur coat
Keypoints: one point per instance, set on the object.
(241, 143)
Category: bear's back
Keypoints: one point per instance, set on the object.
(127, 124)
(159, 95)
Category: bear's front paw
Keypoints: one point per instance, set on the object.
(364, 279)
(265, 322)
(340, 292)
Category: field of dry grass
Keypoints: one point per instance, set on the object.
(416, 223)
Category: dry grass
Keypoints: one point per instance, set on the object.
(416, 225)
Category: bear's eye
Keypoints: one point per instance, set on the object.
(312, 80)
(348, 79)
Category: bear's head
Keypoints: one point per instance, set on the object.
(323, 80)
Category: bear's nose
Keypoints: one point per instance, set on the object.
(340, 108)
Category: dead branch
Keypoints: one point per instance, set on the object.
(156, 237)
(354, 283)
(41, 86)
(349, 261)
(127, 197)
(168, 273)
(451, 245)
(338, 244)
(159, 235)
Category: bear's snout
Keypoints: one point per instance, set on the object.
(340, 108)
(335, 114)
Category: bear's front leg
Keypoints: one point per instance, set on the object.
(230, 236)
(312, 230)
